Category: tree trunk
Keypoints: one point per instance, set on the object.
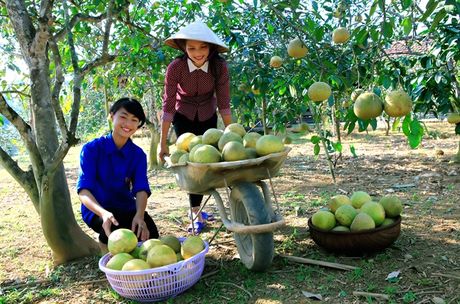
(456, 158)
(154, 141)
(65, 238)
(264, 116)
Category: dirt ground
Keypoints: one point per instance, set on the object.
(426, 256)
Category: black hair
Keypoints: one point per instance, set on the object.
(132, 106)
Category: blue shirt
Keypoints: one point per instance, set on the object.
(112, 175)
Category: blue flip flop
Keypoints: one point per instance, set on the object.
(199, 226)
(205, 216)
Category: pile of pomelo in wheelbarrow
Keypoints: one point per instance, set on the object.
(356, 225)
(231, 144)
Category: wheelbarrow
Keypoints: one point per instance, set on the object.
(252, 216)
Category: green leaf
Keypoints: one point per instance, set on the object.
(406, 3)
(337, 146)
(293, 91)
(430, 7)
(439, 16)
(353, 151)
(457, 129)
(407, 25)
(387, 29)
(315, 139)
(395, 124)
(316, 149)
(373, 8)
(1, 120)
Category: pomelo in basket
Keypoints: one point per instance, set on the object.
(135, 264)
(191, 155)
(118, 260)
(237, 128)
(362, 221)
(171, 241)
(338, 200)
(211, 136)
(358, 198)
(146, 246)
(345, 215)
(121, 240)
(183, 159)
(250, 139)
(161, 255)
(375, 210)
(268, 144)
(192, 246)
(388, 221)
(323, 219)
(135, 253)
(184, 140)
(341, 228)
(233, 151)
(228, 137)
(392, 205)
(206, 154)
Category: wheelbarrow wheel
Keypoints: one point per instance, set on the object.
(247, 206)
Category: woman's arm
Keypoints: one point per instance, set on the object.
(223, 94)
(138, 224)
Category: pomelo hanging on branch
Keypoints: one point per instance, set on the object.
(368, 105)
(340, 35)
(276, 62)
(296, 48)
(453, 118)
(397, 104)
(319, 91)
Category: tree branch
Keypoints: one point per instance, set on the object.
(58, 81)
(75, 19)
(108, 25)
(15, 92)
(24, 178)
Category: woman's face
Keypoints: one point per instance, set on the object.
(197, 51)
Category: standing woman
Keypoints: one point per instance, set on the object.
(197, 84)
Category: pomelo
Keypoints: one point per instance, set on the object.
(192, 246)
(118, 260)
(453, 118)
(176, 155)
(387, 222)
(319, 91)
(340, 35)
(358, 198)
(146, 246)
(237, 128)
(250, 139)
(338, 200)
(121, 240)
(228, 136)
(179, 256)
(211, 136)
(135, 264)
(233, 151)
(296, 48)
(183, 159)
(171, 241)
(368, 105)
(251, 153)
(191, 155)
(355, 94)
(323, 220)
(345, 215)
(268, 144)
(341, 228)
(195, 141)
(183, 140)
(276, 62)
(392, 205)
(375, 210)
(362, 221)
(135, 253)
(397, 104)
(161, 255)
(206, 154)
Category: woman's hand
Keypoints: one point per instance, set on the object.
(164, 151)
(107, 220)
(140, 228)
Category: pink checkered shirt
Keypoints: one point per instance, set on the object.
(183, 89)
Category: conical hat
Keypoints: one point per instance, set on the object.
(197, 31)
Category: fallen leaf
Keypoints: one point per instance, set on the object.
(314, 296)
